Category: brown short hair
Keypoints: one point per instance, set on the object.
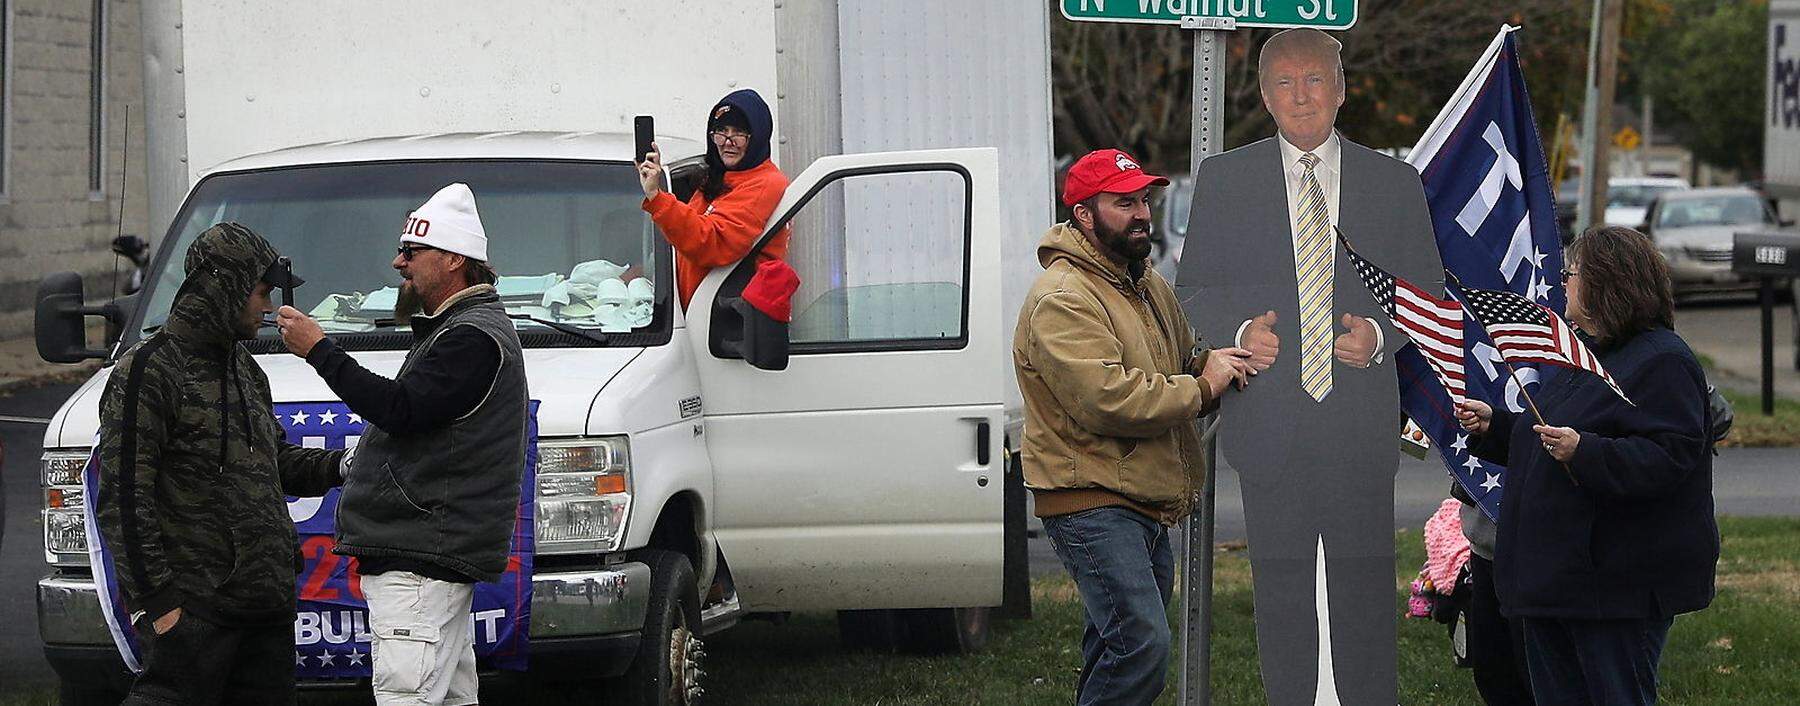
(1625, 283)
(1303, 41)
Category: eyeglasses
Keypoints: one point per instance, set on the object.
(406, 252)
(1567, 273)
(720, 137)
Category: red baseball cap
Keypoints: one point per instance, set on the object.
(1105, 171)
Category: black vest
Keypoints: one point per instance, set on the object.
(448, 496)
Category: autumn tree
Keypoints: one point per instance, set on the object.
(1703, 63)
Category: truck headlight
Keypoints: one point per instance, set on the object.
(65, 530)
(583, 494)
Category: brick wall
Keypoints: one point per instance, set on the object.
(49, 219)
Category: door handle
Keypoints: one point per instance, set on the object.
(983, 434)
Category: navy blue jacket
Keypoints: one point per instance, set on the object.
(1627, 531)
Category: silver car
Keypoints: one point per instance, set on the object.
(1694, 227)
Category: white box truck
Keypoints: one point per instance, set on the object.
(680, 489)
(1781, 130)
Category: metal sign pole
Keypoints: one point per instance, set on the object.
(1197, 569)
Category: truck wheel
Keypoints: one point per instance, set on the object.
(88, 695)
(872, 630)
(945, 631)
(926, 631)
(666, 670)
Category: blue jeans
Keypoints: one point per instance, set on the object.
(1594, 662)
(1124, 568)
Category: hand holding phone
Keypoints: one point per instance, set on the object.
(643, 128)
(287, 287)
(649, 162)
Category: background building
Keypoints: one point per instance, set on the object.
(69, 70)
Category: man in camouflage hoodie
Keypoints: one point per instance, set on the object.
(193, 472)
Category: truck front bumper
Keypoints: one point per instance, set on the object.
(588, 617)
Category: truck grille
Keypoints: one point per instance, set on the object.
(1710, 254)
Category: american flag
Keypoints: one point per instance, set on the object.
(1528, 332)
(1435, 325)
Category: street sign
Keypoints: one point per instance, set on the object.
(1217, 14)
(1627, 139)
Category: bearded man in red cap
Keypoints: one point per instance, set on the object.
(1113, 381)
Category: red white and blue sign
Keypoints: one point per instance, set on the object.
(331, 621)
(1488, 186)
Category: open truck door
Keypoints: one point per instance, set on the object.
(868, 472)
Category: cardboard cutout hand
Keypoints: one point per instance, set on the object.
(1355, 347)
(1260, 339)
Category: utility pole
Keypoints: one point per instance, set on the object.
(1649, 124)
(1597, 124)
(1195, 686)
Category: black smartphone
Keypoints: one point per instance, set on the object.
(287, 287)
(644, 127)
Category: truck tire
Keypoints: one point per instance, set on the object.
(88, 695)
(666, 670)
(924, 631)
(869, 630)
(945, 631)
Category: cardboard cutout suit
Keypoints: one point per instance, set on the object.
(1317, 476)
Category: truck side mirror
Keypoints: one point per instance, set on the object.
(740, 330)
(60, 321)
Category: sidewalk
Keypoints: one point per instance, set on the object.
(1731, 335)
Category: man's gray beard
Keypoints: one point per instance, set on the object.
(408, 303)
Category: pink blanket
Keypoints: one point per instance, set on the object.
(1446, 549)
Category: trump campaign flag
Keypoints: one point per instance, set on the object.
(331, 620)
(1488, 186)
(331, 623)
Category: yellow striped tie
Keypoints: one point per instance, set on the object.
(1313, 272)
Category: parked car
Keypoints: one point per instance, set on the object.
(1171, 222)
(1628, 198)
(1693, 228)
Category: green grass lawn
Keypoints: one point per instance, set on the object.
(1751, 428)
(1745, 649)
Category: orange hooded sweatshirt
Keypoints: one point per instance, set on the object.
(708, 234)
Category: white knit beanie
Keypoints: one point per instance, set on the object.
(448, 221)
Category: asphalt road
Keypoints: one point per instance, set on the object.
(1748, 482)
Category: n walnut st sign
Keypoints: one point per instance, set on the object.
(1217, 14)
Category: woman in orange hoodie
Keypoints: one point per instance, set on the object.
(723, 218)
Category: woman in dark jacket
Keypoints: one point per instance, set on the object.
(1606, 527)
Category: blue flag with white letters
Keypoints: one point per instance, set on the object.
(331, 621)
(1488, 186)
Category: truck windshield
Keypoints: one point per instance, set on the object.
(568, 239)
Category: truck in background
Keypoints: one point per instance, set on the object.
(681, 489)
(1781, 133)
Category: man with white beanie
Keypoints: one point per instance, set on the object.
(432, 490)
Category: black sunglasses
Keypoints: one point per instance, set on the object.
(406, 251)
(1567, 273)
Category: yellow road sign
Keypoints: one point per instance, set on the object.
(1627, 139)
